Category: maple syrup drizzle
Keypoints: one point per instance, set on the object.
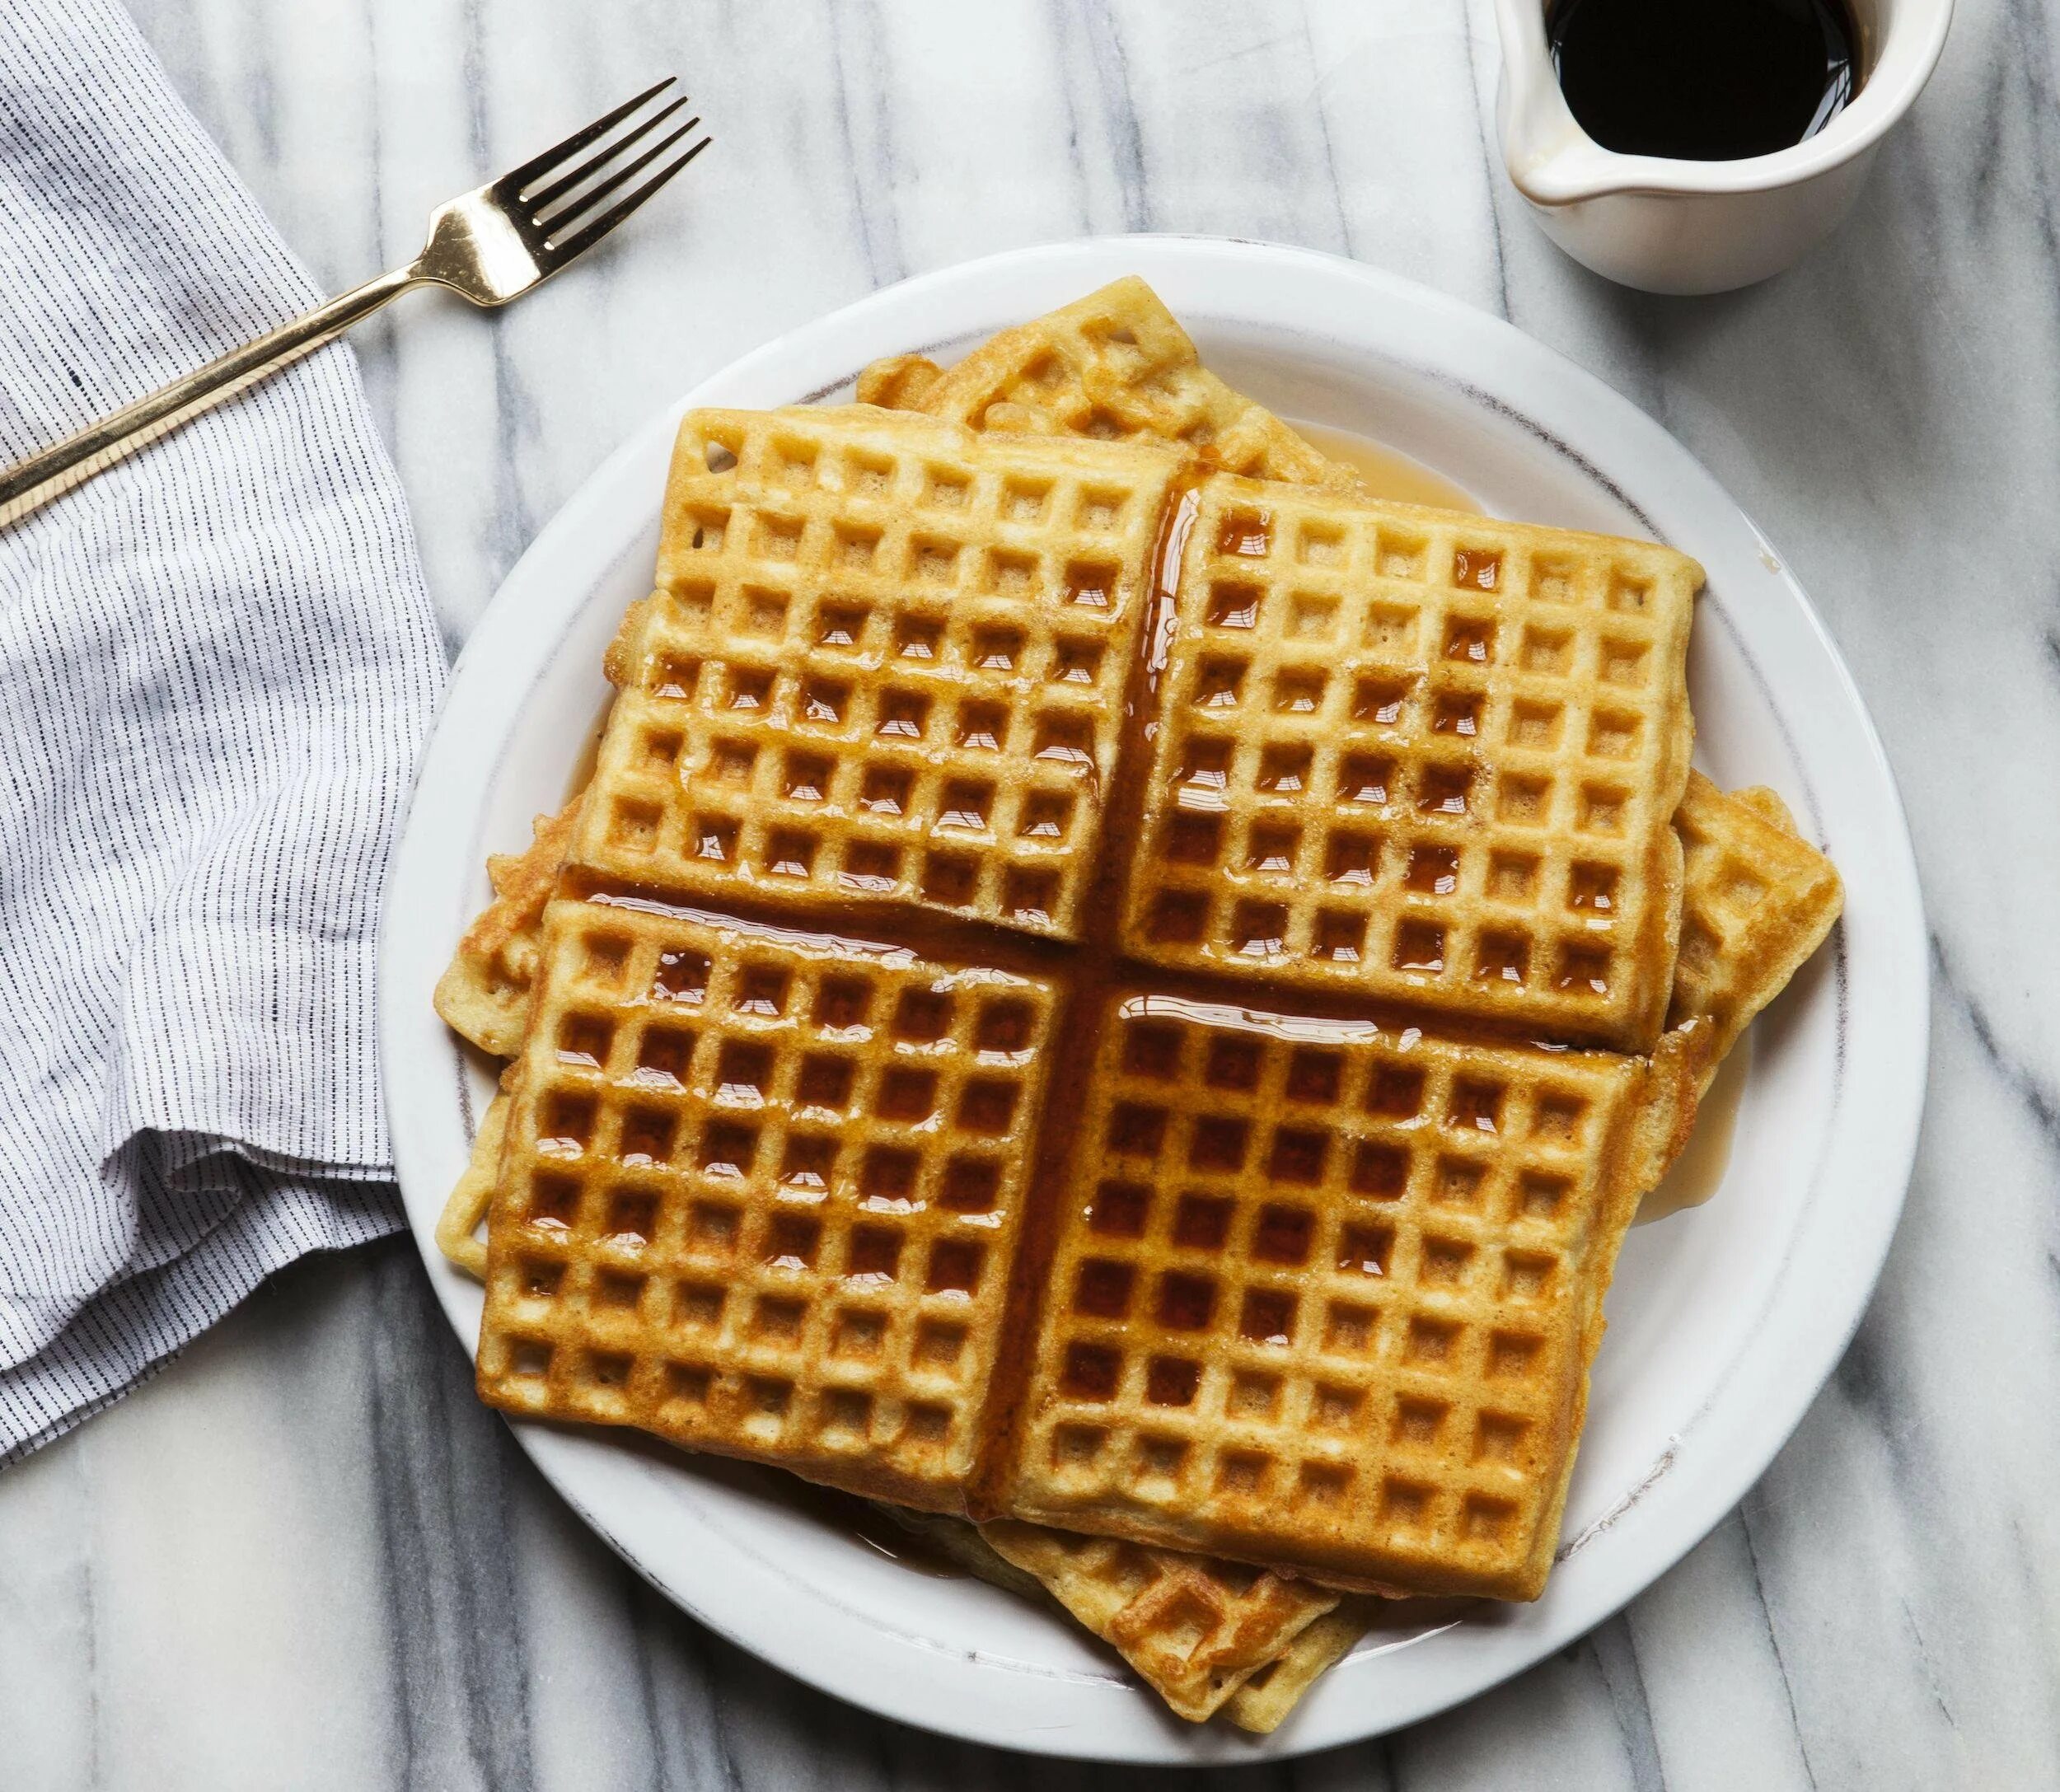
(1389, 474)
(1082, 996)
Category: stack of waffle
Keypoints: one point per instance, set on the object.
(1111, 985)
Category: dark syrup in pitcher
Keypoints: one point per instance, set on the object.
(1702, 80)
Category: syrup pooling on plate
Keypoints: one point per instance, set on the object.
(1698, 1172)
(1388, 472)
(873, 1528)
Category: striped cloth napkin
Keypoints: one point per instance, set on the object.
(217, 664)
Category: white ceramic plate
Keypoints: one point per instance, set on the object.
(1724, 1320)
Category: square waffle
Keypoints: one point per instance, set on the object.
(884, 664)
(757, 1195)
(1416, 755)
(1325, 1294)
(1115, 366)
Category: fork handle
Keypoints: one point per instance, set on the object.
(28, 485)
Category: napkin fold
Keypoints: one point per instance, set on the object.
(218, 662)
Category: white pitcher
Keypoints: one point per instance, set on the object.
(1702, 227)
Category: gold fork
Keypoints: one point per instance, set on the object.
(489, 246)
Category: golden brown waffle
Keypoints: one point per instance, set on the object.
(758, 1195)
(483, 993)
(1195, 1629)
(1413, 754)
(459, 1233)
(1263, 1702)
(1758, 900)
(884, 664)
(1114, 365)
(1325, 1292)
(901, 382)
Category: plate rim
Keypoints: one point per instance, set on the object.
(1608, 1578)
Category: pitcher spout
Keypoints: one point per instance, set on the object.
(1552, 160)
(1560, 167)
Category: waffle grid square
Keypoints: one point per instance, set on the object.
(761, 1191)
(889, 671)
(1420, 758)
(1311, 1269)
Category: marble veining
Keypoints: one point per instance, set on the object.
(304, 1556)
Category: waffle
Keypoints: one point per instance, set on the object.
(885, 665)
(1115, 366)
(484, 994)
(1263, 1701)
(459, 1227)
(756, 1196)
(1758, 900)
(1412, 755)
(1195, 1629)
(1165, 1612)
(1325, 1294)
(1311, 1631)
(903, 382)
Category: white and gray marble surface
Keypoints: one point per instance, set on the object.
(304, 1556)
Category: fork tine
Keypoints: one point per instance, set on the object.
(587, 234)
(516, 179)
(537, 203)
(586, 201)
